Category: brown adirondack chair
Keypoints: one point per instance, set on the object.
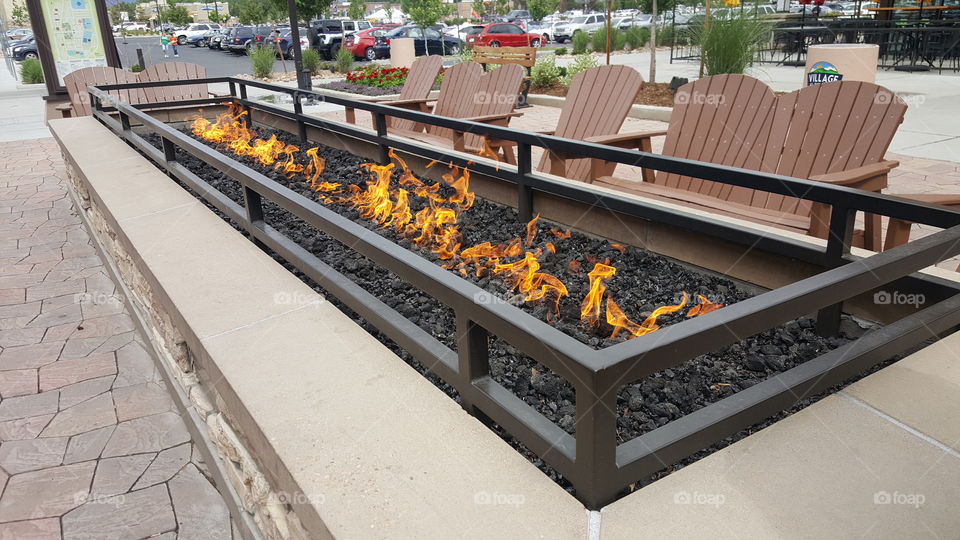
(78, 81)
(836, 133)
(169, 71)
(596, 105)
(470, 94)
(420, 79)
(898, 230)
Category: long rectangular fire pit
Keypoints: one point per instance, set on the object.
(591, 459)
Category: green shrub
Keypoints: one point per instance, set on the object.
(637, 37)
(311, 60)
(31, 72)
(545, 72)
(344, 61)
(466, 54)
(261, 61)
(136, 68)
(326, 66)
(560, 51)
(599, 39)
(580, 41)
(729, 45)
(580, 63)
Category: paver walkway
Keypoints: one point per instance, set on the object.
(91, 444)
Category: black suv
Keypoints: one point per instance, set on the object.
(326, 35)
(244, 38)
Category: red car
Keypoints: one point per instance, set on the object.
(503, 35)
(361, 43)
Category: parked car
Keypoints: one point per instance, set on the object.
(362, 43)
(327, 35)
(582, 23)
(237, 40)
(217, 39)
(22, 49)
(18, 33)
(642, 21)
(284, 42)
(263, 35)
(435, 42)
(504, 34)
(131, 26)
(194, 29)
(519, 15)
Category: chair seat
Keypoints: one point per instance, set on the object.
(784, 220)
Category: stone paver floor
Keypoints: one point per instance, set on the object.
(91, 444)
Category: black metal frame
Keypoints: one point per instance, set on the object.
(592, 460)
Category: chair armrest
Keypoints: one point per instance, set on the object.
(216, 95)
(405, 102)
(943, 199)
(493, 117)
(66, 110)
(629, 140)
(858, 175)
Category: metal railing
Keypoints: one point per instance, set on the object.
(598, 467)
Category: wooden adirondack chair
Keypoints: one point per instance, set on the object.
(898, 230)
(469, 94)
(169, 71)
(420, 79)
(78, 81)
(836, 132)
(596, 105)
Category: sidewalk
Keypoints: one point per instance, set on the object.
(91, 443)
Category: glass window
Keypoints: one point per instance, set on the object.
(348, 26)
(431, 33)
(414, 33)
(363, 25)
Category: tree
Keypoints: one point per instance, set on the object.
(541, 8)
(177, 15)
(479, 8)
(116, 9)
(251, 12)
(502, 7)
(306, 9)
(653, 40)
(425, 13)
(358, 8)
(19, 14)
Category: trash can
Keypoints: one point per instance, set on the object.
(841, 61)
(401, 52)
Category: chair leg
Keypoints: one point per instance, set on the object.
(872, 234)
(819, 220)
(898, 233)
(648, 174)
(351, 115)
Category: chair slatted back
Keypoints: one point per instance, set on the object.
(456, 95)
(77, 82)
(419, 82)
(597, 103)
(173, 71)
(496, 93)
(737, 120)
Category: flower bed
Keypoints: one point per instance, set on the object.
(378, 76)
(363, 90)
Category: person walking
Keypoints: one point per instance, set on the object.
(168, 40)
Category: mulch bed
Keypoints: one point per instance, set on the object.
(658, 94)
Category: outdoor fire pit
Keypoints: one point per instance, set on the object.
(608, 362)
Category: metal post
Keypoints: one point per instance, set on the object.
(295, 43)
(524, 193)
(596, 462)
(380, 121)
(473, 358)
(838, 245)
(140, 61)
(125, 121)
(298, 110)
(169, 150)
(254, 205)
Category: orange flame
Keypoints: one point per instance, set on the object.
(560, 234)
(528, 280)
(703, 307)
(590, 307)
(531, 231)
(619, 321)
(619, 248)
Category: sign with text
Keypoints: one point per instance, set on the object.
(74, 34)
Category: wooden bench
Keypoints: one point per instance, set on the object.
(522, 56)
(836, 133)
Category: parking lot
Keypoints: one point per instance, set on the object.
(218, 63)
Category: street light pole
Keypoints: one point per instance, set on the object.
(303, 79)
